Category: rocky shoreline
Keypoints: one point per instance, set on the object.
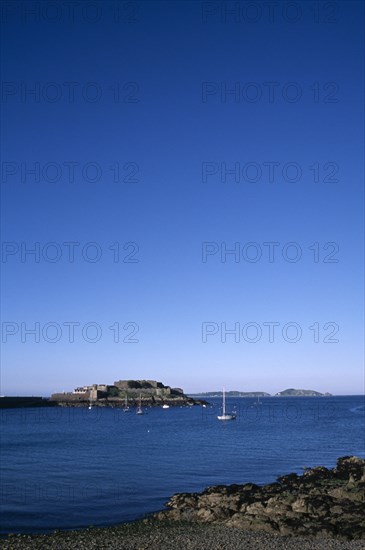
(321, 502)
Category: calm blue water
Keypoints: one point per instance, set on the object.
(69, 468)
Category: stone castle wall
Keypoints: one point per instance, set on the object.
(138, 384)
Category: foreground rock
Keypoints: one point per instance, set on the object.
(319, 503)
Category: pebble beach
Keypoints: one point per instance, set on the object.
(165, 535)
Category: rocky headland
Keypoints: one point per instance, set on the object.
(321, 502)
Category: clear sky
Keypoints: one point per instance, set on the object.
(122, 124)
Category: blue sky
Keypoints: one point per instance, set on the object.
(121, 154)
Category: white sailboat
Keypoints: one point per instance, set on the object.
(165, 406)
(256, 403)
(225, 415)
(139, 408)
(127, 408)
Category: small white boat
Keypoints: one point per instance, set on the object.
(164, 406)
(139, 408)
(256, 403)
(225, 415)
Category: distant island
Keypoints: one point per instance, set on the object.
(291, 392)
(231, 394)
(146, 393)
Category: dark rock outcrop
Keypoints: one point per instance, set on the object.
(319, 503)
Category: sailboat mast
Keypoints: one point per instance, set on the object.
(224, 402)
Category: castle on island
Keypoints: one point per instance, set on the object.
(149, 391)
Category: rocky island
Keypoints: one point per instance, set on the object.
(291, 392)
(148, 393)
(322, 502)
(233, 393)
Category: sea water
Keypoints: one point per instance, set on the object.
(70, 467)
